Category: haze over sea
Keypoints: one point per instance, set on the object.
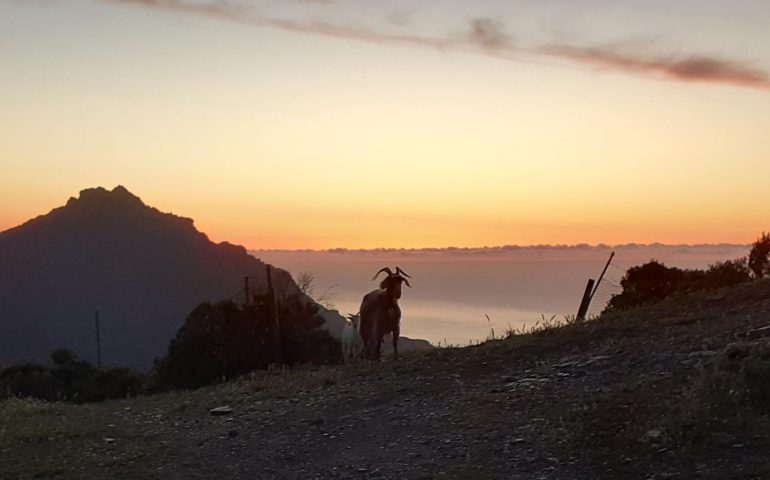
(453, 289)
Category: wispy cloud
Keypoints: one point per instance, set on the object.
(487, 37)
(688, 68)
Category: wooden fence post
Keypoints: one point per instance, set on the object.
(277, 329)
(586, 301)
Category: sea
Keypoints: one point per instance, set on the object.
(460, 296)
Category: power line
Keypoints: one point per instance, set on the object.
(144, 324)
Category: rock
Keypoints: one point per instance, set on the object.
(572, 363)
(598, 358)
(759, 332)
(223, 410)
(651, 435)
(233, 433)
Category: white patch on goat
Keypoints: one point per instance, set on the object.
(351, 342)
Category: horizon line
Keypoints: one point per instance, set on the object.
(503, 248)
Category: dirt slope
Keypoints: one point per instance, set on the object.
(614, 398)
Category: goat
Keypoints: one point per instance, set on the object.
(380, 313)
(351, 339)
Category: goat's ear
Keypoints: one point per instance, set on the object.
(401, 272)
(406, 282)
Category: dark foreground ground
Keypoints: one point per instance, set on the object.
(654, 393)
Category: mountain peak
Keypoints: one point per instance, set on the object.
(100, 195)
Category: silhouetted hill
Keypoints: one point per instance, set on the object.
(144, 271)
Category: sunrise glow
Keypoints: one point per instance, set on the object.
(353, 124)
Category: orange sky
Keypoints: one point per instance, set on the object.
(309, 138)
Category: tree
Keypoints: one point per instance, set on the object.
(223, 340)
(759, 263)
(306, 283)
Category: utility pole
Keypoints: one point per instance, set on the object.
(277, 329)
(98, 342)
(246, 282)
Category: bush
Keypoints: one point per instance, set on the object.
(727, 274)
(224, 340)
(759, 257)
(653, 281)
(646, 283)
(30, 380)
(69, 379)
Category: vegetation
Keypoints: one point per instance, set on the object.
(224, 340)
(69, 379)
(653, 281)
(731, 397)
(217, 342)
(306, 283)
(759, 257)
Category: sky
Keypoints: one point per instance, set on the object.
(361, 124)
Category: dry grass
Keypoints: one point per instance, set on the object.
(728, 398)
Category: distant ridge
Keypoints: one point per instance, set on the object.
(510, 248)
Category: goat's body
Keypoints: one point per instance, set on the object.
(380, 315)
(351, 343)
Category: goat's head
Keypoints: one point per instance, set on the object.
(353, 319)
(392, 283)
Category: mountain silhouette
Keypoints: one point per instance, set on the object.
(143, 270)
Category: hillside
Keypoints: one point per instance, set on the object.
(651, 393)
(142, 269)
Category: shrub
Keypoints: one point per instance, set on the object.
(30, 380)
(69, 379)
(224, 340)
(650, 282)
(759, 261)
(653, 281)
(727, 273)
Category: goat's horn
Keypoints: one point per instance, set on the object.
(384, 269)
(401, 272)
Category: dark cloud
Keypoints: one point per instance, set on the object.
(489, 33)
(684, 68)
(489, 37)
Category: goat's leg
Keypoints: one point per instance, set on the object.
(396, 332)
(376, 339)
(367, 351)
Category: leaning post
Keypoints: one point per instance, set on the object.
(586, 301)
